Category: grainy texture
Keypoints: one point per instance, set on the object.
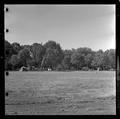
(60, 93)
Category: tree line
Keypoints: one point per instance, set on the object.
(51, 55)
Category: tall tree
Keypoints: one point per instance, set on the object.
(53, 55)
(16, 47)
(8, 49)
(112, 58)
(24, 56)
(88, 60)
(82, 57)
(38, 52)
(77, 59)
(8, 53)
(15, 62)
(66, 62)
(51, 44)
(98, 59)
(109, 59)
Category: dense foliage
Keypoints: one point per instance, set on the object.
(51, 55)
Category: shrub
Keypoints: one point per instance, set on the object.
(85, 68)
(72, 68)
(59, 67)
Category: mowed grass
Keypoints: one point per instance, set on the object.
(60, 93)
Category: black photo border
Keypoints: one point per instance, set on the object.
(2, 83)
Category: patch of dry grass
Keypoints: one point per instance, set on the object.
(36, 93)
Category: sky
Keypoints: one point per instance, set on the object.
(72, 26)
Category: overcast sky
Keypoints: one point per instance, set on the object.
(72, 26)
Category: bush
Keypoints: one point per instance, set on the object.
(85, 68)
(72, 68)
(59, 67)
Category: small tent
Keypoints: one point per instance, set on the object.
(23, 68)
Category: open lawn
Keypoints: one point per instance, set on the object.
(60, 93)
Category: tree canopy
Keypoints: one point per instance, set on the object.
(51, 55)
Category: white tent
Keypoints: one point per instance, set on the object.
(23, 68)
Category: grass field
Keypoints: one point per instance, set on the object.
(60, 93)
